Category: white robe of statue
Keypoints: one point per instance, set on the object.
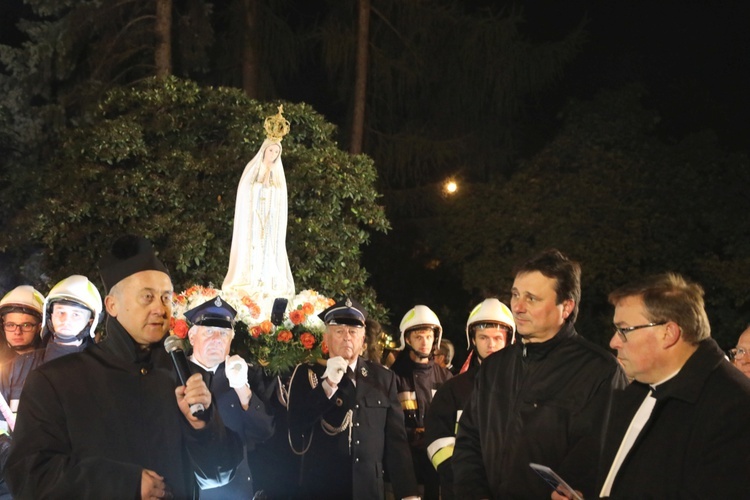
(258, 262)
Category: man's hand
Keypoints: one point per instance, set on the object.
(194, 391)
(236, 370)
(561, 496)
(153, 486)
(335, 369)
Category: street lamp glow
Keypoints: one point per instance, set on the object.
(450, 186)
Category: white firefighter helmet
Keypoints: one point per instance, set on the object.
(490, 311)
(77, 289)
(421, 316)
(24, 299)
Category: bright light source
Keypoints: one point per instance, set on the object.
(450, 186)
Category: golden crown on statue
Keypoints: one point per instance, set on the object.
(276, 126)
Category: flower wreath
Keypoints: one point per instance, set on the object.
(278, 348)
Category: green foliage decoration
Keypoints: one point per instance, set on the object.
(163, 159)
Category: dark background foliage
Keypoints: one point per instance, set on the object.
(616, 132)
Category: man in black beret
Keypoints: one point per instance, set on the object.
(108, 422)
(346, 419)
(234, 384)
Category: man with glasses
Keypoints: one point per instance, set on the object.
(739, 354)
(242, 410)
(21, 313)
(345, 418)
(543, 399)
(679, 430)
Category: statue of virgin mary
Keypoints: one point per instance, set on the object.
(258, 261)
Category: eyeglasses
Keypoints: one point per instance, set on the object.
(737, 353)
(623, 332)
(351, 330)
(25, 327)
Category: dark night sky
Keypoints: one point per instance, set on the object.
(693, 56)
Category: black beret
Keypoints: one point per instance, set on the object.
(130, 254)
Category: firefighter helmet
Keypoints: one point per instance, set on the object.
(79, 290)
(420, 316)
(23, 299)
(490, 311)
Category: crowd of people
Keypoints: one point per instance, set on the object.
(105, 412)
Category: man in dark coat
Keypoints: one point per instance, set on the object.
(680, 429)
(349, 428)
(489, 328)
(543, 399)
(111, 421)
(241, 408)
(418, 377)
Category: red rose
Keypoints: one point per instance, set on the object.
(308, 340)
(266, 326)
(308, 308)
(284, 336)
(255, 332)
(324, 347)
(180, 328)
(297, 316)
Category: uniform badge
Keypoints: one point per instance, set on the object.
(363, 371)
(313, 378)
(339, 402)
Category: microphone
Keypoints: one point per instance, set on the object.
(173, 345)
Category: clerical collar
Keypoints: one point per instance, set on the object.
(654, 387)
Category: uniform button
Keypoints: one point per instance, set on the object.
(356, 459)
(232, 405)
(535, 405)
(356, 425)
(144, 371)
(357, 442)
(378, 401)
(356, 407)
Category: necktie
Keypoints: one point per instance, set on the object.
(350, 374)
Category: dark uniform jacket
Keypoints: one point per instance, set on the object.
(352, 437)
(276, 469)
(441, 424)
(537, 402)
(416, 385)
(254, 425)
(696, 443)
(89, 423)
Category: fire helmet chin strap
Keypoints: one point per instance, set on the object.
(417, 353)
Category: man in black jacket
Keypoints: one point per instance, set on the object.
(109, 422)
(680, 429)
(418, 377)
(490, 327)
(543, 399)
